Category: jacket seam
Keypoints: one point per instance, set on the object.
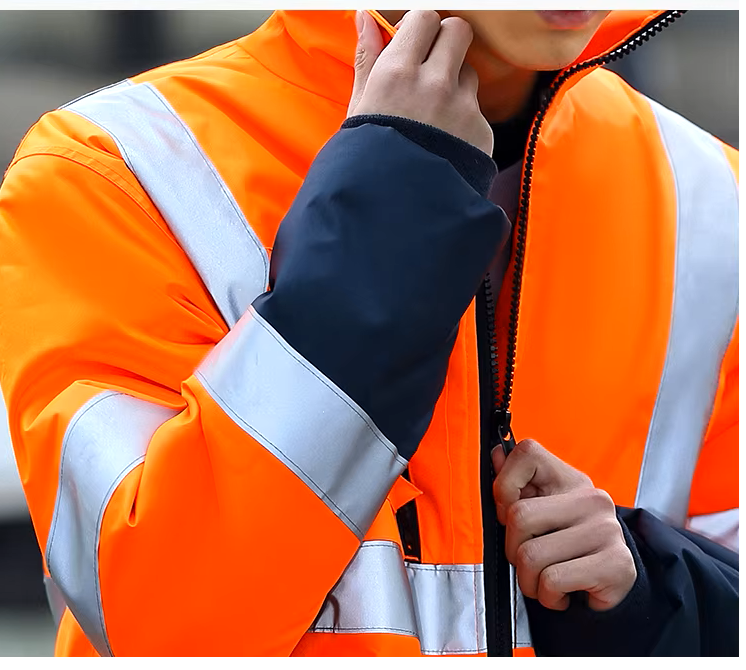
(106, 173)
(287, 81)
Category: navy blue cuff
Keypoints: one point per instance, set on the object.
(629, 629)
(475, 166)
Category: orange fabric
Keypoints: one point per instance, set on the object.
(524, 652)
(71, 641)
(357, 644)
(715, 483)
(591, 333)
(212, 546)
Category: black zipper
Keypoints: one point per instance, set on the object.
(494, 401)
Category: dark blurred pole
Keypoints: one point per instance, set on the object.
(138, 40)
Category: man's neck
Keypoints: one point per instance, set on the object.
(504, 90)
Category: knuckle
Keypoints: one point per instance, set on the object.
(602, 500)
(584, 480)
(395, 73)
(439, 84)
(457, 25)
(427, 17)
(527, 556)
(550, 579)
(519, 515)
(430, 15)
(397, 70)
(608, 528)
(527, 448)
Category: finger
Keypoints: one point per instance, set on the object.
(529, 462)
(607, 576)
(413, 40)
(468, 79)
(449, 49)
(498, 459)
(533, 517)
(369, 47)
(528, 491)
(533, 556)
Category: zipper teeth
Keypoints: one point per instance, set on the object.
(656, 26)
(490, 299)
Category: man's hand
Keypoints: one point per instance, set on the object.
(562, 534)
(420, 75)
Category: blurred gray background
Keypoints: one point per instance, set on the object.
(48, 58)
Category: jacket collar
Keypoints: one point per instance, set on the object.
(314, 49)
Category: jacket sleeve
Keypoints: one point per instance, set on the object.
(196, 490)
(683, 603)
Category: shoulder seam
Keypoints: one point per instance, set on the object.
(105, 172)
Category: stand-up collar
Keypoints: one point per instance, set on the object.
(315, 49)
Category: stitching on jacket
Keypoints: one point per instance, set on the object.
(251, 429)
(103, 171)
(99, 521)
(218, 179)
(299, 359)
(95, 400)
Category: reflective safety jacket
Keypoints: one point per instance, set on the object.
(198, 486)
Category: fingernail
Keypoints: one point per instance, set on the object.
(359, 22)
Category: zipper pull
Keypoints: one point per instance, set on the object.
(502, 431)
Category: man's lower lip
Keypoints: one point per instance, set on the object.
(559, 18)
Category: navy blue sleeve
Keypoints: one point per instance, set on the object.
(373, 266)
(475, 166)
(684, 602)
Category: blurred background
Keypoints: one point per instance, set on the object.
(48, 58)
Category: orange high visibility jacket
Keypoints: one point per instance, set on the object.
(198, 488)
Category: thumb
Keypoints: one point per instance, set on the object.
(369, 47)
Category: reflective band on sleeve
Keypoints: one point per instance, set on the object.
(705, 307)
(721, 527)
(186, 188)
(302, 418)
(441, 605)
(106, 439)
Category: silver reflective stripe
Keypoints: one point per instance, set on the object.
(441, 605)
(55, 599)
(705, 307)
(521, 631)
(373, 595)
(450, 608)
(105, 440)
(721, 527)
(302, 418)
(186, 188)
